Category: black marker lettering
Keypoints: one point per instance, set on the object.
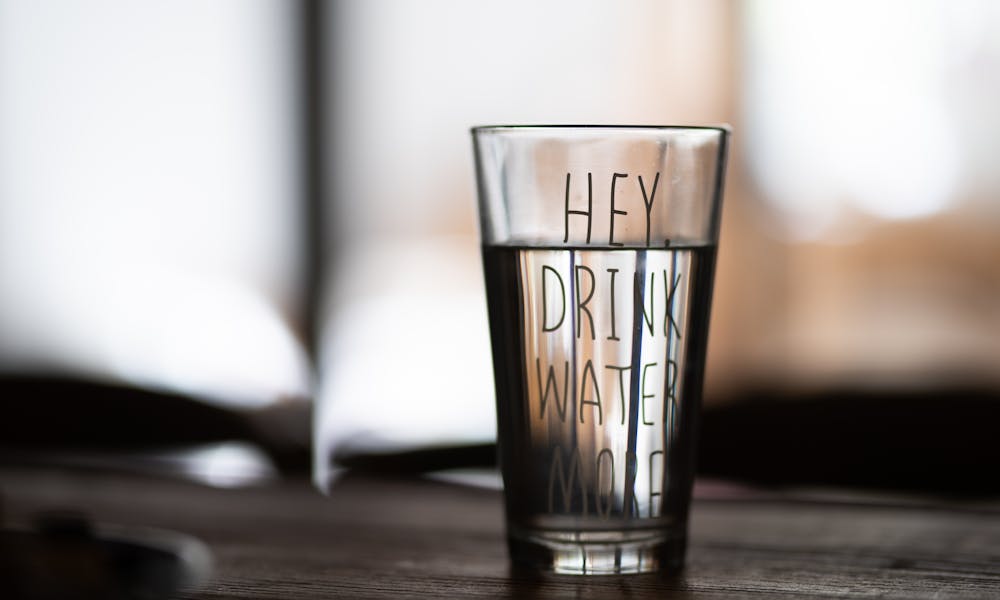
(604, 502)
(648, 201)
(557, 470)
(550, 383)
(613, 336)
(621, 385)
(652, 486)
(545, 303)
(611, 236)
(668, 321)
(586, 213)
(581, 305)
(644, 394)
(596, 400)
(647, 316)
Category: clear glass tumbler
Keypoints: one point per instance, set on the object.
(599, 247)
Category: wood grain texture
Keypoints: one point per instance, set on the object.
(390, 538)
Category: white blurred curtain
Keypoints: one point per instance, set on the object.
(149, 194)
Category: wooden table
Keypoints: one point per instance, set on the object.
(391, 538)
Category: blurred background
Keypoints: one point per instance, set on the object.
(220, 220)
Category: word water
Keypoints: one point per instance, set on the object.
(599, 356)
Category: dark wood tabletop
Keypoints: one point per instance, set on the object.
(399, 537)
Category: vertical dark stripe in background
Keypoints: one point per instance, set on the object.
(312, 123)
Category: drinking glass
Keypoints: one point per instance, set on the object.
(599, 247)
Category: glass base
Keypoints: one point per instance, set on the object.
(598, 552)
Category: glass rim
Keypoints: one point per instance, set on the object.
(723, 128)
